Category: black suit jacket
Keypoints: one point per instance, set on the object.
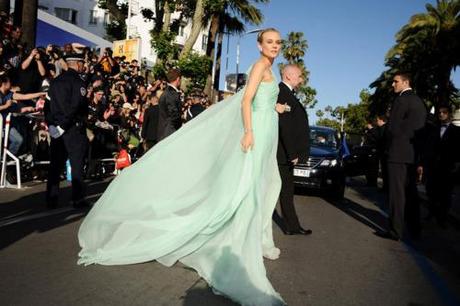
(150, 123)
(294, 131)
(441, 153)
(406, 122)
(170, 113)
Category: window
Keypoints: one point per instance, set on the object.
(204, 42)
(181, 30)
(66, 14)
(92, 17)
(106, 18)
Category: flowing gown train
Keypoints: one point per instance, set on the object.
(197, 198)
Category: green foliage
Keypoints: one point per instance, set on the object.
(428, 47)
(159, 71)
(164, 45)
(116, 30)
(294, 49)
(118, 11)
(329, 123)
(355, 115)
(307, 96)
(196, 67)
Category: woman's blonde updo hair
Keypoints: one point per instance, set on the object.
(260, 36)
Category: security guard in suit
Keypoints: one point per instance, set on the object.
(169, 119)
(293, 146)
(406, 122)
(66, 114)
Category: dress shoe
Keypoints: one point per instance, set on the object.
(300, 231)
(392, 235)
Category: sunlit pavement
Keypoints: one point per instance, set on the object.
(342, 263)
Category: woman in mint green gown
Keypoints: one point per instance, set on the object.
(204, 196)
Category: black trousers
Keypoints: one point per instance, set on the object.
(439, 187)
(72, 145)
(404, 206)
(384, 167)
(291, 221)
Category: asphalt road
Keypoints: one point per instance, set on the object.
(342, 263)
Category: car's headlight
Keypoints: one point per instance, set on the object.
(329, 163)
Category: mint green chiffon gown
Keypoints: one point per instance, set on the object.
(197, 198)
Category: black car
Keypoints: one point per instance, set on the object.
(324, 168)
(363, 159)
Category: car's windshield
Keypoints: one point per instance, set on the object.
(323, 137)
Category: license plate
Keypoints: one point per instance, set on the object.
(302, 172)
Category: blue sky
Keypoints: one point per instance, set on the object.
(347, 39)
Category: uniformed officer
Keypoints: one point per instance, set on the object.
(66, 117)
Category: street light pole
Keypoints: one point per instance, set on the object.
(128, 23)
(238, 52)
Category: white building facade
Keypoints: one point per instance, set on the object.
(83, 13)
(87, 15)
(138, 27)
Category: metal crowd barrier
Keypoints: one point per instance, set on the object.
(6, 153)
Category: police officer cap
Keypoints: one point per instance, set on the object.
(74, 57)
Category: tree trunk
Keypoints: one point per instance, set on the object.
(29, 22)
(17, 18)
(444, 88)
(5, 6)
(113, 9)
(196, 28)
(166, 17)
(210, 50)
(218, 61)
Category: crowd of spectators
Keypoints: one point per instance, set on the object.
(117, 93)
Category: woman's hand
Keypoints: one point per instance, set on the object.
(280, 108)
(247, 142)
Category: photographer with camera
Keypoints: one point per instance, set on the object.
(32, 72)
(55, 58)
(107, 62)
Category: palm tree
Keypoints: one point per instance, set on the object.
(29, 21)
(294, 49)
(227, 17)
(429, 48)
(197, 25)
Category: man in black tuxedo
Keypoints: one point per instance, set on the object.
(66, 114)
(170, 106)
(293, 145)
(407, 120)
(150, 124)
(440, 157)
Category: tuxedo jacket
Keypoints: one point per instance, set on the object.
(169, 119)
(150, 123)
(294, 131)
(404, 127)
(442, 153)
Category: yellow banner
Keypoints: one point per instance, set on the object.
(129, 48)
